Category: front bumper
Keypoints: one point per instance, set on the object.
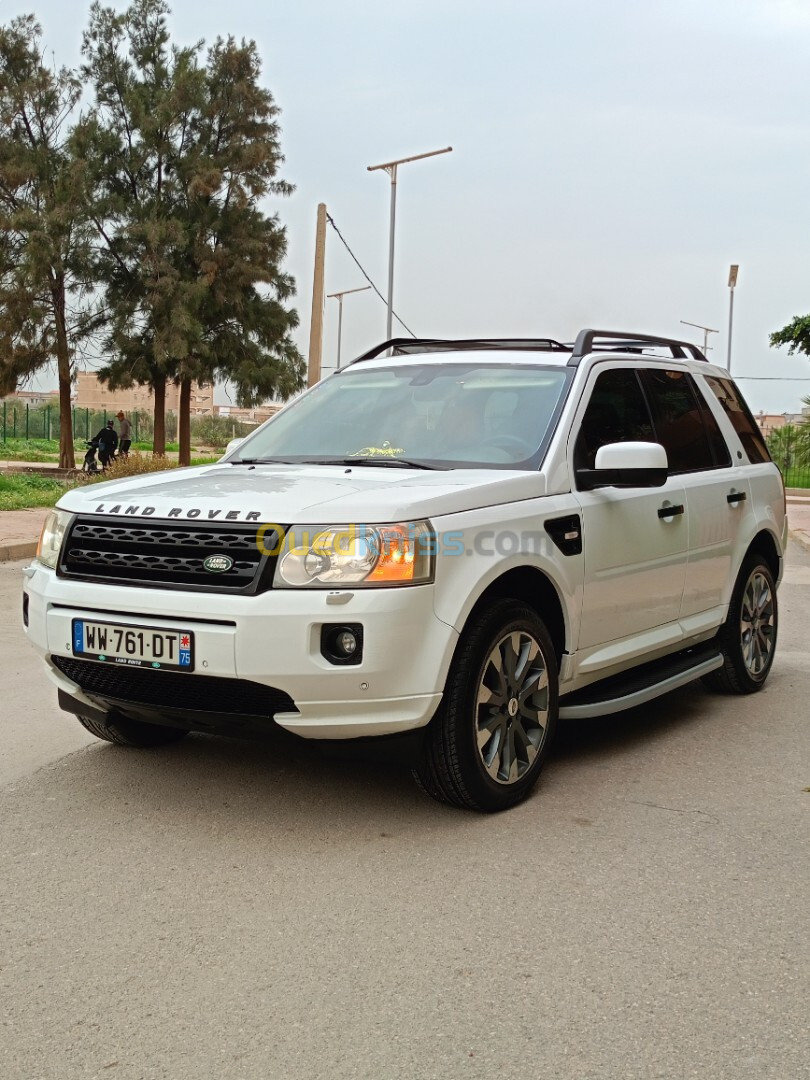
(275, 639)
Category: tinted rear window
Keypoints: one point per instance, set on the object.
(739, 414)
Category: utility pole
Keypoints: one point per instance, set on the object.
(391, 168)
(732, 281)
(316, 325)
(339, 297)
(706, 331)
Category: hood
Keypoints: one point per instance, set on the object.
(303, 494)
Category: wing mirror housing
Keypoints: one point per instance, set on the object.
(626, 465)
(232, 445)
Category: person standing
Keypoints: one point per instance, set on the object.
(107, 442)
(124, 434)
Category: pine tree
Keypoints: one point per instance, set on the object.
(180, 155)
(45, 302)
(146, 96)
(242, 326)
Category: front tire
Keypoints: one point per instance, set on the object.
(125, 732)
(747, 638)
(486, 745)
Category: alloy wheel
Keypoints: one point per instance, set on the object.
(511, 712)
(757, 628)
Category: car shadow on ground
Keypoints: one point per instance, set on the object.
(618, 733)
(285, 783)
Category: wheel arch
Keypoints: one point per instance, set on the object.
(532, 586)
(764, 545)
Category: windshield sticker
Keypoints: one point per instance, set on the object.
(386, 450)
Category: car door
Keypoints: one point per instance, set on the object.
(717, 496)
(635, 550)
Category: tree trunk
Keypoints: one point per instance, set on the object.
(67, 459)
(184, 422)
(159, 432)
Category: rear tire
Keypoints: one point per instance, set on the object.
(125, 732)
(747, 638)
(486, 745)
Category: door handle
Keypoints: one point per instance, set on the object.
(670, 511)
(735, 497)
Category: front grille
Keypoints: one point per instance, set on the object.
(171, 690)
(167, 554)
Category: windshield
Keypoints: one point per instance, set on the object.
(441, 415)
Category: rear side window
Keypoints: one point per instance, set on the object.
(680, 422)
(720, 450)
(740, 416)
(616, 412)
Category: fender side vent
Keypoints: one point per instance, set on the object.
(566, 532)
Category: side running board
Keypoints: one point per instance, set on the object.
(640, 685)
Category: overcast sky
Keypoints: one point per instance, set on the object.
(610, 160)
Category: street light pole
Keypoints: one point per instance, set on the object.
(316, 324)
(732, 281)
(391, 168)
(339, 297)
(706, 331)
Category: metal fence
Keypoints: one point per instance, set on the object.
(22, 423)
(790, 449)
(33, 424)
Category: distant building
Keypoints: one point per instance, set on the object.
(258, 415)
(34, 398)
(91, 393)
(769, 422)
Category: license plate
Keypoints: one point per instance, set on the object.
(134, 646)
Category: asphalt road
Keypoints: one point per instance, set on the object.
(239, 912)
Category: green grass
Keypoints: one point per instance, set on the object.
(146, 446)
(36, 450)
(23, 492)
(40, 451)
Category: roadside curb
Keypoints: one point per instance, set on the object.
(32, 468)
(17, 549)
(800, 538)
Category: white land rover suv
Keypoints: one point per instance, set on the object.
(446, 545)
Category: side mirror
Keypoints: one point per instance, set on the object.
(232, 445)
(626, 465)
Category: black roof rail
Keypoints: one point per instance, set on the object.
(404, 346)
(589, 341)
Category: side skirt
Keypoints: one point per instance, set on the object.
(642, 684)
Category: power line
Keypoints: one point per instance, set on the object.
(771, 378)
(365, 275)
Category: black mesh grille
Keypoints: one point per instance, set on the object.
(168, 554)
(171, 690)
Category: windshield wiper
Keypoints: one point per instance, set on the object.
(384, 462)
(263, 461)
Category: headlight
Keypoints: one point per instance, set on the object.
(323, 556)
(51, 537)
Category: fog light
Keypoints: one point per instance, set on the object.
(341, 643)
(346, 642)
